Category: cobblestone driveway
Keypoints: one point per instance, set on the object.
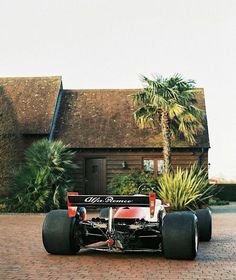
(22, 255)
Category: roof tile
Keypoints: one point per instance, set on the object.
(34, 100)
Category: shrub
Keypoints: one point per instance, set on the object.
(185, 188)
(129, 184)
(217, 201)
(226, 192)
(42, 182)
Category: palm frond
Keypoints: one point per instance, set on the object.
(144, 116)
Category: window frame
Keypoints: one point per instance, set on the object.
(155, 159)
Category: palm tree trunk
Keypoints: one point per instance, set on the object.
(165, 128)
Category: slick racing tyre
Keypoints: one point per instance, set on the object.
(180, 235)
(204, 224)
(58, 233)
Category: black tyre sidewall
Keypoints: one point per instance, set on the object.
(58, 233)
(205, 224)
(178, 235)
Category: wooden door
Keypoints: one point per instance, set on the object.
(95, 176)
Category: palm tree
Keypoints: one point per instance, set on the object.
(169, 103)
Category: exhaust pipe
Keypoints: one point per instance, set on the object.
(97, 244)
(108, 242)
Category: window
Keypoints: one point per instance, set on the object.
(148, 165)
(153, 165)
(160, 166)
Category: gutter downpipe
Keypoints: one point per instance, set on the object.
(55, 115)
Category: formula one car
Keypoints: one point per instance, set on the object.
(126, 224)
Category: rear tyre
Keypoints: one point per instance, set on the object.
(180, 235)
(205, 224)
(59, 233)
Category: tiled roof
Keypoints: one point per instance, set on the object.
(34, 100)
(104, 119)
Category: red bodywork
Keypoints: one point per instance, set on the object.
(130, 213)
(72, 210)
(137, 212)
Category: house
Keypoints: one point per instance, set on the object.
(99, 126)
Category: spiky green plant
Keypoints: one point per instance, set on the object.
(185, 189)
(42, 182)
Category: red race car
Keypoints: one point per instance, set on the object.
(126, 224)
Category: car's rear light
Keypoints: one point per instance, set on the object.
(152, 203)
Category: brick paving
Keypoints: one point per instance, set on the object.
(22, 255)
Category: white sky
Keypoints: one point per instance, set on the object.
(108, 44)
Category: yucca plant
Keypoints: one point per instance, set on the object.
(185, 189)
(41, 183)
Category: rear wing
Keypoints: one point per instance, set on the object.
(75, 200)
